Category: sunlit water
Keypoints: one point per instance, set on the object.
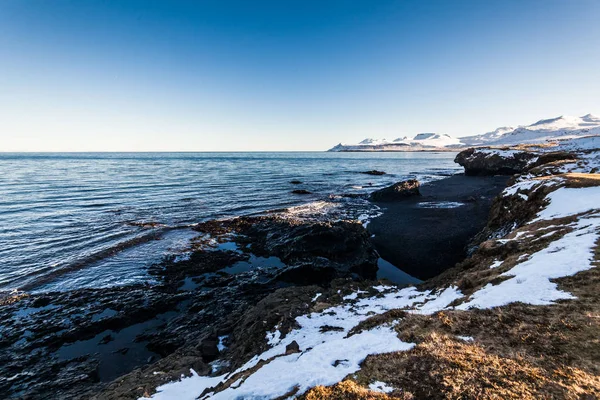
(76, 220)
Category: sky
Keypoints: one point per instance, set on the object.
(225, 75)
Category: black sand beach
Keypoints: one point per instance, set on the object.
(425, 235)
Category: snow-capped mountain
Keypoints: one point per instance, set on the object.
(423, 141)
(562, 127)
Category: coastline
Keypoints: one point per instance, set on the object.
(216, 322)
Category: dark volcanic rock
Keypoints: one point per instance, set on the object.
(494, 162)
(397, 191)
(77, 342)
(295, 182)
(373, 172)
(301, 191)
(343, 246)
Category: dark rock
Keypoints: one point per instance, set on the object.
(295, 182)
(329, 328)
(553, 156)
(301, 191)
(209, 350)
(482, 162)
(373, 172)
(292, 348)
(344, 362)
(307, 274)
(397, 191)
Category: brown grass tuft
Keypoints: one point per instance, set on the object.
(346, 390)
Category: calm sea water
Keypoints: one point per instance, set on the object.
(77, 220)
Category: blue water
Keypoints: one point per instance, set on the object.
(99, 219)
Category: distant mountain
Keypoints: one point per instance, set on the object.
(562, 127)
(547, 129)
(423, 141)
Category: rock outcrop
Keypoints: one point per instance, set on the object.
(397, 191)
(373, 172)
(494, 161)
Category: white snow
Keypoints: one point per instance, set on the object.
(465, 338)
(353, 295)
(316, 297)
(530, 280)
(381, 387)
(519, 186)
(496, 264)
(188, 388)
(566, 201)
(549, 129)
(564, 127)
(273, 337)
(221, 346)
(326, 357)
(420, 141)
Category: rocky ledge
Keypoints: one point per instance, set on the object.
(397, 191)
(507, 161)
(73, 344)
(516, 319)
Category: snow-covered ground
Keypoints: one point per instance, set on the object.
(329, 355)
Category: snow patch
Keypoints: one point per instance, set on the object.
(381, 387)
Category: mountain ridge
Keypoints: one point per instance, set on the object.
(543, 130)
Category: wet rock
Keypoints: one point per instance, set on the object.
(397, 191)
(173, 329)
(292, 348)
(494, 162)
(295, 182)
(301, 191)
(373, 172)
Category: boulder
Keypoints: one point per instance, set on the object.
(292, 348)
(300, 191)
(494, 161)
(397, 191)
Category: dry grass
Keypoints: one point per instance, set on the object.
(441, 367)
(346, 390)
(519, 351)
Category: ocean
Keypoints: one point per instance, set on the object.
(76, 220)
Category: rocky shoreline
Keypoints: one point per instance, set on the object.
(239, 304)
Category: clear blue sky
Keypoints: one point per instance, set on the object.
(286, 75)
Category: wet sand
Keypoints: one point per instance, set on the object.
(425, 235)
